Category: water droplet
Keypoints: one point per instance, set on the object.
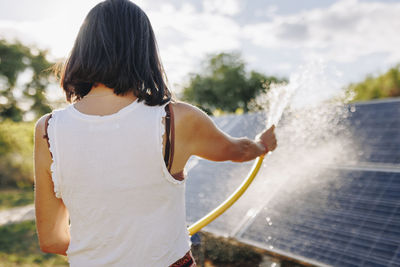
(251, 213)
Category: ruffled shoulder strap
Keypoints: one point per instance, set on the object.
(51, 146)
(46, 135)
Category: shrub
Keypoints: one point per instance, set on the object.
(221, 251)
(16, 154)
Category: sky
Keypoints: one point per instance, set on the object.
(355, 37)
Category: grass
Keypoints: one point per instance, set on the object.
(10, 198)
(19, 247)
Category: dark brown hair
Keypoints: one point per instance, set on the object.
(116, 46)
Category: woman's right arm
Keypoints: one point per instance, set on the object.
(206, 140)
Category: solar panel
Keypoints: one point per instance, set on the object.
(320, 197)
(378, 128)
(358, 227)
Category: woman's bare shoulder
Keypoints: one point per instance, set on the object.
(190, 121)
(40, 125)
(200, 134)
(182, 106)
(186, 111)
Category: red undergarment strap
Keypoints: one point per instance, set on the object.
(185, 261)
(167, 132)
(172, 137)
(170, 133)
(180, 176)
(170, 142)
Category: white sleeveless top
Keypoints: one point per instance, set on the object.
(125, 207)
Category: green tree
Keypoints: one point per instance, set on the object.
(385, 85)
(224, 84)
(15, 59)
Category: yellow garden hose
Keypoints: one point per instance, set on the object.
(211, 216)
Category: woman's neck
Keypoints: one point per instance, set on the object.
(100, 90)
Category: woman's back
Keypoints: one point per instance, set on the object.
(108, 172)
(124, 205)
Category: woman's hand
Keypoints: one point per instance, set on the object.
(268, 139)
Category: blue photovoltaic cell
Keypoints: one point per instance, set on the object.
(378, 128)
(351, 217)
(355, 231)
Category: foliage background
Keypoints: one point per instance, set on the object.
(16, 154)
(223, 85)
(29, 63)
(375, 87)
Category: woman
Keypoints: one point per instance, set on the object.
(109, 181)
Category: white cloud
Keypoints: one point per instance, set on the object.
(342, 32)
(346, 32)
(224, 7)
(56, 31)
(185, 36)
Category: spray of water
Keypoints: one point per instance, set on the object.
(277, 100)
(312, 136)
